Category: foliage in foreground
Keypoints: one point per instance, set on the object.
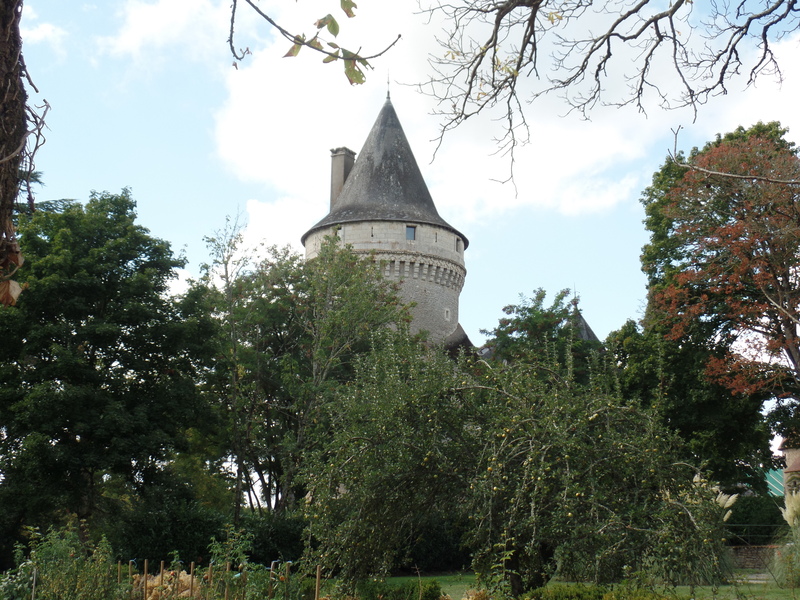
(786, 560)
(550, 477)
(61, 566)
(98, 367)
(538, 463)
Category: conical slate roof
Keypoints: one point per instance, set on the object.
(385, 183)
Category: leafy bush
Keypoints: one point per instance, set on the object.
(755, 520)
(164, 521)
(374, 589)
(598, 592)
(17, 584)
(62, 567)
(568, 592)
(274, 537)
(625, 592)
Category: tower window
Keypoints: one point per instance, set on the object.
(411, 232)
(459, 245)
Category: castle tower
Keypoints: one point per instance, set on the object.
(380, 204)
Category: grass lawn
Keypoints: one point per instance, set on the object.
(456, 585)
(743, 591)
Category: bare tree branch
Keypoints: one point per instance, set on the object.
(674, 157)
(350, 58)
(678, 56)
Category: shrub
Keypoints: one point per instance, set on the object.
(598, 592)
(157, 525)
(63, 568)
(568, 592)
(374, 589)
(274, 537)
(625, 592)
(755, 520)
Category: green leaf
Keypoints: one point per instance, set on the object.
(348, 6)
(353, 72)
(315, 43)
(329, 22)
(331, 58)
(352, 67)
(295, 49)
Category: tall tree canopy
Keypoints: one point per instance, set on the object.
(557, 335)
(292, 330)
(724, 430)
(98, 364)
(723, 260)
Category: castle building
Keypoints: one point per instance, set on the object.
(380, 205)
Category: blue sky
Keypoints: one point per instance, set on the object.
(143, 95)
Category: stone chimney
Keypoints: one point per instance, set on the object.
(342, 160)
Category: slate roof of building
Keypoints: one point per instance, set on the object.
(385, 183)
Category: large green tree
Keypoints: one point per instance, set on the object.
(547, 475)
(576, 481)
(291, 330)
(724, 431)
(401, 446)
(98, 366)
(556, 336)
(722, 261)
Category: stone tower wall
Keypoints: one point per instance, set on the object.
(430, 267)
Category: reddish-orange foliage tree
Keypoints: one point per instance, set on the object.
(734, 267)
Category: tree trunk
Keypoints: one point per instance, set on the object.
(13, 128)
(534, 574)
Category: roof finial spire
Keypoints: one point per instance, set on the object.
(388, 96)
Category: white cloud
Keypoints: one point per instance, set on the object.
(180, 284)
(42, 33)
(282, 115)
(278, 223)
(197, 27)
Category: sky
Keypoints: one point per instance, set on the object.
(143, 94)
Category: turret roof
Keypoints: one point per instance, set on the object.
(385, 183)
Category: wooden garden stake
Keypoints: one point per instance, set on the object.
(146, 571)
(286, 583)
(319, 576)
(227, 578)
(130, 578)
(271, 578)
(191, 580)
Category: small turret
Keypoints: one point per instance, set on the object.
(380, 204)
